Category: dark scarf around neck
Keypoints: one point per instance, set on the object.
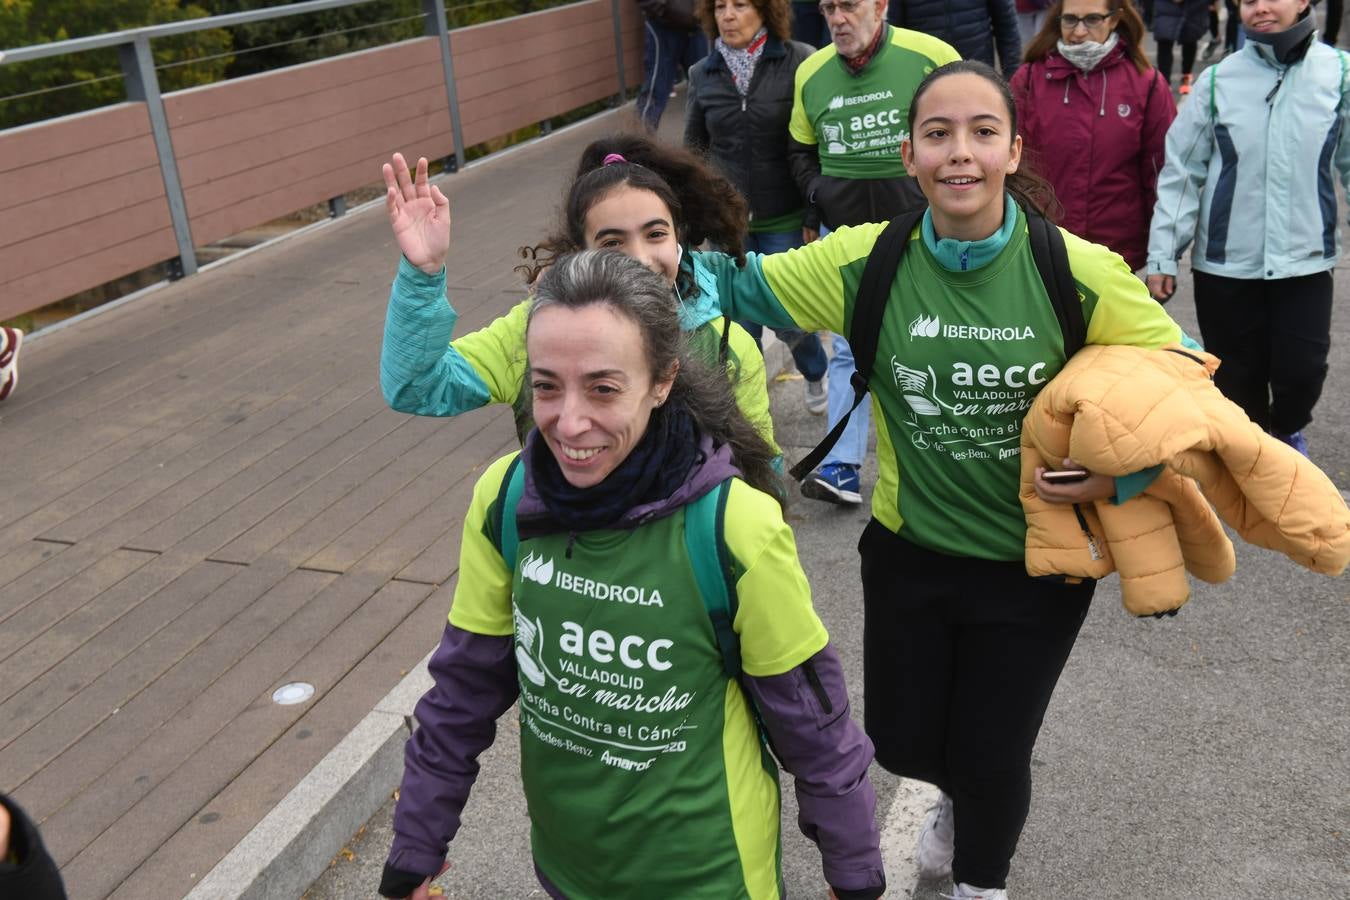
(654, 470)
(859, 62)
(1291, 45)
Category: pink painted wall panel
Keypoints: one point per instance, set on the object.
(37, 289)
(41, 142)
(81, 202)
(241, 94)
(254, 149)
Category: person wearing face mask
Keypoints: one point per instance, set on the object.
(1249, 188)
(1094, 115)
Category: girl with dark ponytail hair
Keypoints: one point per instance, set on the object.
(962, 648)
(1024, 183)
(705, 210)
(630, 194)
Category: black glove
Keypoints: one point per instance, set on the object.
(862, 893)
(398, 883)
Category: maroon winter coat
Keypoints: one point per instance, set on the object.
(1098, 139)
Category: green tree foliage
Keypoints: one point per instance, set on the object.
(271, 44)
(60, 85)
(263, 46)
(475, 12)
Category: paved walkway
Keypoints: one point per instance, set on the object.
(204, 498)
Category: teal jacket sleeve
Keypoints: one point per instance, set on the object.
(420, 372)
(1135, 483)
(742, 291)
(810, 287)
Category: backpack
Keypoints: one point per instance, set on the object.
(1052, 262)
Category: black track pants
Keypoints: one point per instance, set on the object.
(1273, 338)
(1165, 58)
(960, 657)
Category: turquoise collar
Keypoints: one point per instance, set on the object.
(702, 306)
(963, 256)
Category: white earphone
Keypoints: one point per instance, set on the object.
(679, 255)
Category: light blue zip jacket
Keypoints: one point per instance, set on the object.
(1251, 179)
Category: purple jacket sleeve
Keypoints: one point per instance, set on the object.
(805, 711)
(475, 682)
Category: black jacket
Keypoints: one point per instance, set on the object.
(747, 138)
(26, 868)
(1185, 21)
(849, 201)
(677, 14)
(973, 27)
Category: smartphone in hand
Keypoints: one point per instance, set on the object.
(1065, 476)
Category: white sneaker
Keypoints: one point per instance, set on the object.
(969, 892)
(817, 401)
(937, 842)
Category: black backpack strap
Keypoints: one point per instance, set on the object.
(868, 309)
(1052, 261)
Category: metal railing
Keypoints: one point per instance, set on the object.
(142, 85)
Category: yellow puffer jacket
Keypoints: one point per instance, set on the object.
(1118, 410)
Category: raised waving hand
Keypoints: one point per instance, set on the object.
(419, 214)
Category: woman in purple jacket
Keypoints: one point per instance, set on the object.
(1094, 116)
(598, 571)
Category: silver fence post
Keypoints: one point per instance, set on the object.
(436, 24)
(618, 49)
(138, 68)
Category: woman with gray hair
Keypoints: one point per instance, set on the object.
(629, 578)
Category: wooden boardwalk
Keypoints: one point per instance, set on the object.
(203, 497)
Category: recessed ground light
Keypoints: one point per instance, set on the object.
(293, 693)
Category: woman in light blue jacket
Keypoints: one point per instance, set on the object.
(1249, 177)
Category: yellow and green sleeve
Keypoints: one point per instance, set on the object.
(777, 624)
(482, 602)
